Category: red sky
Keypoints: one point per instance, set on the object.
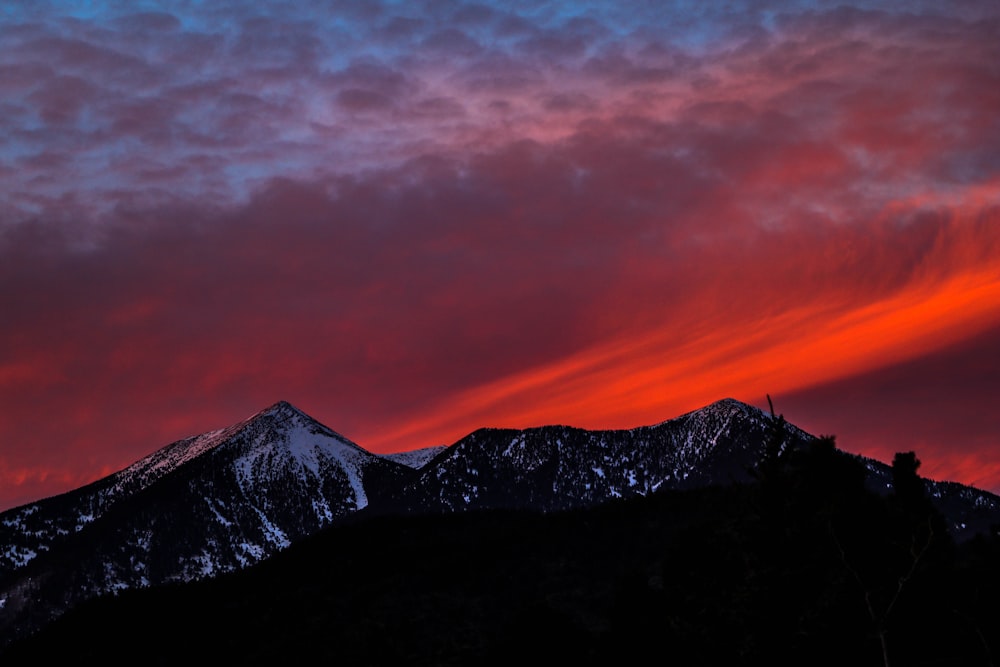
(414, 220)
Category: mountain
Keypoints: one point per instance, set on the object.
(553, 468)
(201, 506)
(559, 467)
(228, 499)
(249, 489)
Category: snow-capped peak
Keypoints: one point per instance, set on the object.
(283, 435)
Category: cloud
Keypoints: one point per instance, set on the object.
(412, 223)
(274, 85)
(442, 276)
(911, 406)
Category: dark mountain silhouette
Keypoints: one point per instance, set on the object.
(229, 499)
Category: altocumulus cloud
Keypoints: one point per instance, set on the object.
(412, 220)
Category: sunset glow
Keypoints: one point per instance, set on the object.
(411, 220)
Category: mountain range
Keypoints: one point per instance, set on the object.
(231, 498)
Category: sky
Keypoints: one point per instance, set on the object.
(414, 219)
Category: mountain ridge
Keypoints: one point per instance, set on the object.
(198, 507)
(230, 498)
(559, 467)
(94, 499)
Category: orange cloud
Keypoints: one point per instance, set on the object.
(639, 380)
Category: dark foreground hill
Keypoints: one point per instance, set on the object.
(804, 564)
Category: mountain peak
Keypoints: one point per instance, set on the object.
(286, 415)
(730, 405)
(283, 409)
(253, 487)
(730, 402)
(720, 409)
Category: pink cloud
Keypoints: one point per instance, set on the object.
(479, 218)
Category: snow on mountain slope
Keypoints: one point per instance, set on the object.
(298, 445)
(200, 506)
(416, 458)
(32, 529)
(233, 497)
(555, 467)
(558, 467)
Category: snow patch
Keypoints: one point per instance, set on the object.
(274, 534)
(302, 450)
(147, 470)
(250, 554)
(20, 556)
(205, 565)
(416, 458)
(321, 508)
(518, 441)
(218, 516)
